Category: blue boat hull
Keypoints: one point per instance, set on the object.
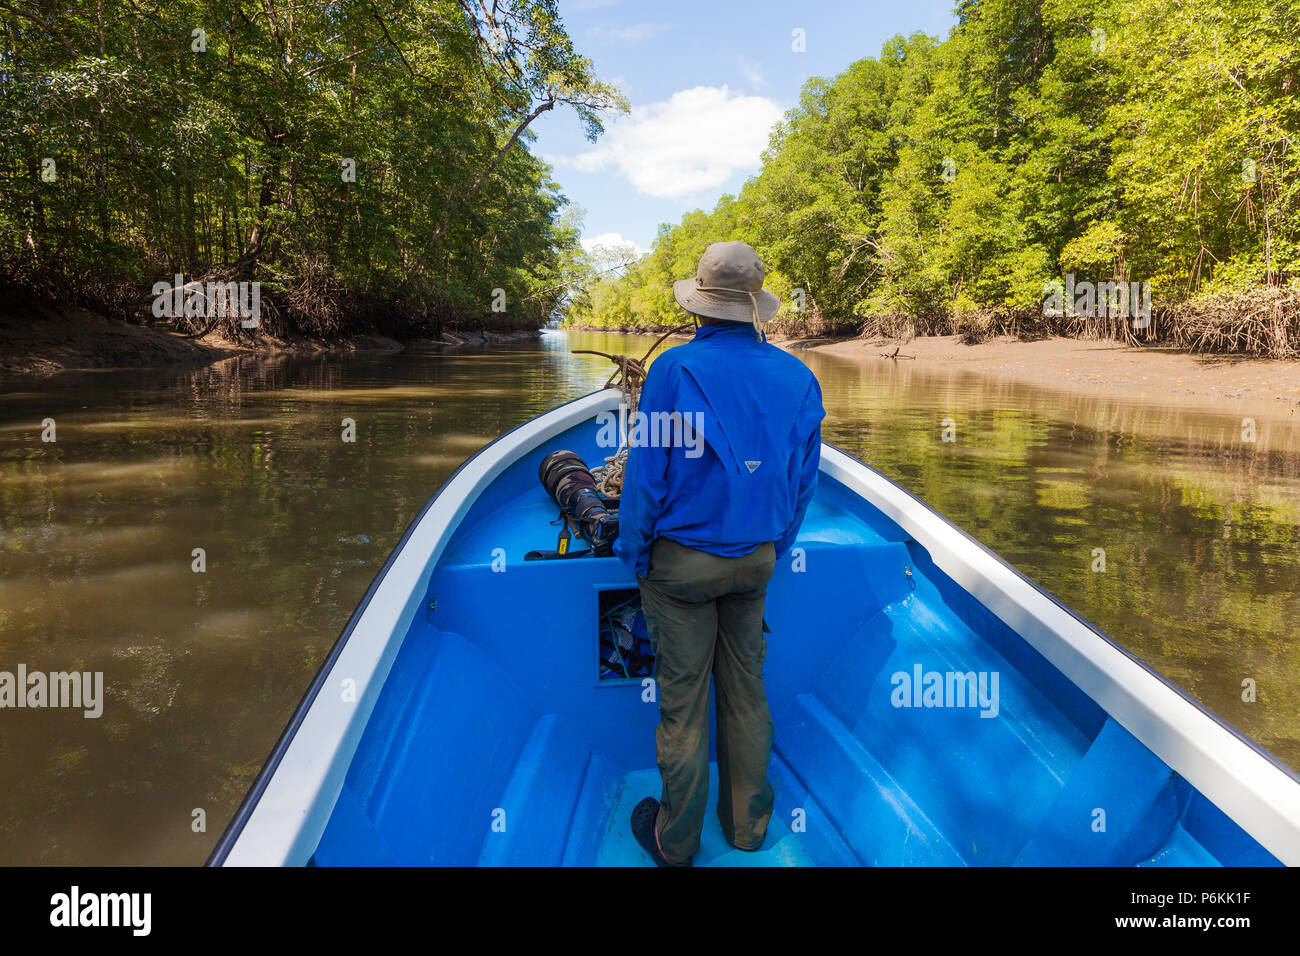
(490, 739)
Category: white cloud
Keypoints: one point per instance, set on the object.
(612, 244)
(695, 140)
(636, 31)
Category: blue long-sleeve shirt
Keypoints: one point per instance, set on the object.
(737, 466)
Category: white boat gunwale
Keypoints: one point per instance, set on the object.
(1259, 792)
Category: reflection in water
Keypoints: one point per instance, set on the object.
(246, 461)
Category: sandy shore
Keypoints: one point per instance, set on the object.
(1151, 374)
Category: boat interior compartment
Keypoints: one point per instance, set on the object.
(624, 650)
(495, 742)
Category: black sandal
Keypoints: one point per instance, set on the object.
(644, 817)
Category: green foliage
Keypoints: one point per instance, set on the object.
(236, 160)
(941, 185)
(1099, 251)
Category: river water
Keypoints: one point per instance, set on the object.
(101, 531)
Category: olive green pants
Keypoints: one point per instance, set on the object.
(705, 616)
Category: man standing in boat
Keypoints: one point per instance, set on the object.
(703, 533)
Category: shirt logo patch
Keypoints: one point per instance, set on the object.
(752, 466)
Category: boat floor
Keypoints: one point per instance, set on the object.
(619, 847)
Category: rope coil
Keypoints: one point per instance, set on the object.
(628, 377)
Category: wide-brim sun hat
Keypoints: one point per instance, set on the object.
(728, 285)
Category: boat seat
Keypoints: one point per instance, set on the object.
(554, 775)
(1181, 849)
(795, 806)
(1206, 836)
(428, 761)
(1153, 817)
(989, 778)
(878, 820)
(1119, 785)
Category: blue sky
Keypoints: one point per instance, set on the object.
(706, 80)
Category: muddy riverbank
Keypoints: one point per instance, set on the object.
(44, 341)
(1157, 374)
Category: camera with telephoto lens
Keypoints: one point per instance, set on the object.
(568, 480)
